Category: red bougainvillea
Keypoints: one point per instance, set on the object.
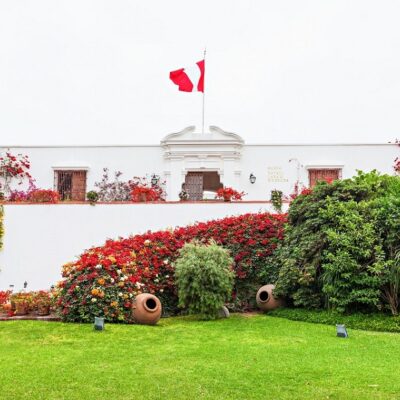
(13, 167)
(43, 196)
(104, 280)
(229, 194)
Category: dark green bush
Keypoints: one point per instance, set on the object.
(204, 278)
(340, 246)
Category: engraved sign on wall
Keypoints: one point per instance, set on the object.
(276, 174)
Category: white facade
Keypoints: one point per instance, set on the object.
(274, 166)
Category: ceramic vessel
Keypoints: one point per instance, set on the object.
(146, 309)
(266, 300)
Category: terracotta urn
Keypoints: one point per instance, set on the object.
(146, 309)
(266, 300)
(21, 308)
(43, 309)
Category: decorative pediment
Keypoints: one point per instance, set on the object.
(188, 143)
(216, 135)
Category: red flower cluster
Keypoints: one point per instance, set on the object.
(15, 166)
(43, 196)
(146, 193)
(228, 194)
(5, 296)
(104, 280)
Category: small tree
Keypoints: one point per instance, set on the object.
(204, 278)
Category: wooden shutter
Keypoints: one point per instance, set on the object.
(78, 185)
(327, 175)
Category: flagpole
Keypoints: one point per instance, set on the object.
(204, 90)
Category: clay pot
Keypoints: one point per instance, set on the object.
(265, 299)
(146, 309)
(43, 310)
(21, 308)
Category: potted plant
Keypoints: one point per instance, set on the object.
(183, 195)
(92, 197)
(227, 194)
(42, 301)
(22, 303)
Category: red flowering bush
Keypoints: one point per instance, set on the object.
(104, 280)
(145, 193)
(229, 194)
(4, 296)
(43, 196)
(13, 167)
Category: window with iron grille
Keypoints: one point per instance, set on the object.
(323, 174)
(71, 185)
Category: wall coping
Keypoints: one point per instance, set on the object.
(109, 203)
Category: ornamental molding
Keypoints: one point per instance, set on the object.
(215, 144)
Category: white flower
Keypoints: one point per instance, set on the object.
(156, 280)
(166, 262)
(120, 294)
(98, 266)
(112, 280)
(146, 242)
(130, 295)
(167, 276)
(94, 300)
(161, 290)
(77, 287)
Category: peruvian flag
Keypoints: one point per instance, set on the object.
(189, 79)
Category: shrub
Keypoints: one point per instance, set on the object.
(204, 278)
(339, 245)
(229, 194)
(147, 263)
(92, 196)
(145, 193)
(117, 190)
(43, 196)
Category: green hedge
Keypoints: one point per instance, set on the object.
(368, 322)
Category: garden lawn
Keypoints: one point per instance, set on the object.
(253, 357)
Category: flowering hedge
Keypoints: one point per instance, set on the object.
(104, 280)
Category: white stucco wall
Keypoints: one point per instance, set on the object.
(39, 239)
(269, 163)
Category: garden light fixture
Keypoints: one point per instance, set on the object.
(252, 178)
(341, 331)
(98, 324)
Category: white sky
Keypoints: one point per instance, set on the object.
(96, 71)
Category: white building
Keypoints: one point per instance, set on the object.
(204, 162)
(40, 238)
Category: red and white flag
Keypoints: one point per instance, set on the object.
(189, 79)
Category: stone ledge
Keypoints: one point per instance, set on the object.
(31, 317)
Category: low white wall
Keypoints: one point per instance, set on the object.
(39, 239)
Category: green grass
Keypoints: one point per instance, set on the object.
(256, 357)
(369, 322)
